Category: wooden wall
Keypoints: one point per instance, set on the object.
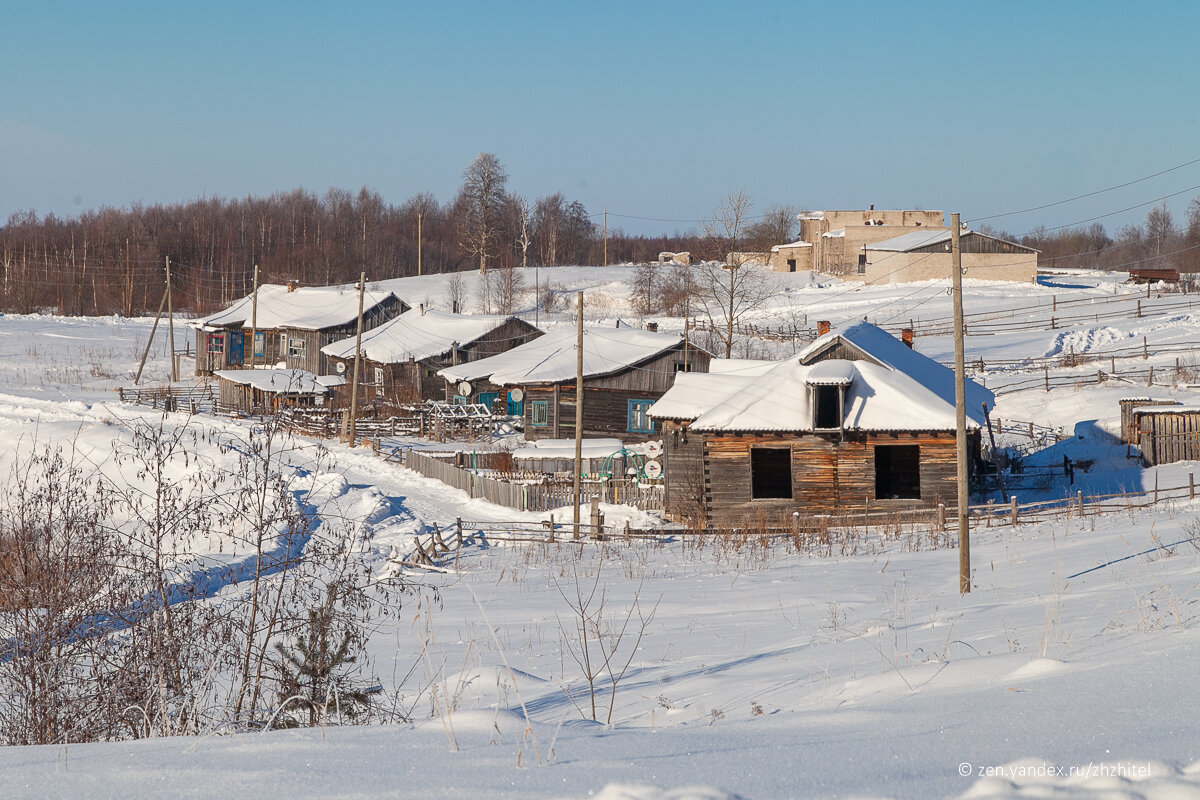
(605, 412)
(829, 474)
(1167, 437)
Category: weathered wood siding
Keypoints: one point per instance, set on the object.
(655, 375)
(683, 473)
(840, 349)
(1167, 437)
(829, 475)
(605, 412)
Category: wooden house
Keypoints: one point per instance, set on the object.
(265, 391)
(401, 357)
(624, 371)
(846, 432)
(290, 327)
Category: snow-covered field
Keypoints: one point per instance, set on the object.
(760, 672)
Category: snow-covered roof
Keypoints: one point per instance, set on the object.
(551, 358)
(895, 389)
(817, 215)
(275, 381)
(310, 308)
(417, 336)
(565, 448)
(740, 366)
(878, 344)
(779, 247)
(840, 233)
(1175, 409)
(877, 398)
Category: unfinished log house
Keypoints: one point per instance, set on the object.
(851, 431)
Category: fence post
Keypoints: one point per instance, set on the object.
(458, 531)
(1150, 377)
(1079, 496)
(1191, 486)
(1013, 501)
(1031, 430)
(627, 531)
(1139, 308)
(1145, 348)
(597, 529)
(989, 512)
(1156, 488)
(1047, 378)
(941, 516)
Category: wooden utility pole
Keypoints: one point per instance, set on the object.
(606, 237)
(171, 324)
(161, 305)
(362, 287)
(960, 412)
(419, 243)
(578, 415)
(254, 321)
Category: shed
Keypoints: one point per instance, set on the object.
(269, 390)
(925, 255)
(1166, 433)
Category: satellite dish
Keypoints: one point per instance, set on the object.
(516, 395)
(464, 388)
(653, 469)
(341, 367)
(653, 448)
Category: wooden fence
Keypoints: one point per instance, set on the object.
(192, 398)
(529, 496)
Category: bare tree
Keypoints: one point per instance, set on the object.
(645, 289)
(481, 197)
(456, 293)
(776, 226)
(727, 288)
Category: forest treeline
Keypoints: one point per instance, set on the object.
(112, 260)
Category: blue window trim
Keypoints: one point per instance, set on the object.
(544, 406)
(630, 417)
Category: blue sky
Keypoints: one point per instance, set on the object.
(653, 109)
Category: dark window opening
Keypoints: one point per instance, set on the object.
(770, 472)
(827, 407)
(898, 472)
(862, 263)
(791, 265)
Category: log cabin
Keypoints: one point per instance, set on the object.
(266, 391)
(846, 432)
(625, 370)
(401, 357)
(290, 326)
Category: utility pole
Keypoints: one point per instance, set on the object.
(419, 242)
(960, 412)
(161, 305)
(254, 321)
(578, 415)
(606, 237)
(171, 324)
(362, 287)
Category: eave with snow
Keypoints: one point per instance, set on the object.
(625, 371)
(269, 390)
(856, 422)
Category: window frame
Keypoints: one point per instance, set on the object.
(297, 347)
(770, 488)
(907, 489)
(544, 407)
(634, 412)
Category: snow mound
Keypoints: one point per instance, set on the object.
(1085, 340)
(1037, 668)
(643, 791)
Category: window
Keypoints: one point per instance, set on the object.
(638, 419)
(216, 344)
(260, 344)
(681, 367)
(770, 472)
(827, 407)
(898, 472)
(296, 347)
(539, 413)
(379, 381)
(282, 345)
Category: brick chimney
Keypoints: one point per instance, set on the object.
(822, 327)
(906, 336)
